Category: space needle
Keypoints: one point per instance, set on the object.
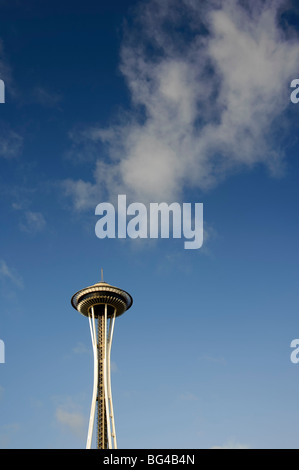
(102, 303)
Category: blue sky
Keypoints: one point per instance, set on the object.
(161, 102)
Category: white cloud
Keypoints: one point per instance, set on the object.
(6, 71)
(203, 105)
(80, 348)
(46, 97)
(73, 420)
(231, 445)
(9, 274)
(30, 221)
(11, 143)
(7, 433)
(113, 367)
(188, 396)
(33, 222)
(83, 193)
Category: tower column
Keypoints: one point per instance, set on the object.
(102, 436)
(102, 302)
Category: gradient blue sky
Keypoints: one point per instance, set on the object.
(162, 102)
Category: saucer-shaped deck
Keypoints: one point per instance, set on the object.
(97, 296)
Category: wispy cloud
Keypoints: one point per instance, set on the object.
(30, 221)
(188, 396)
(7, 433)
(73, 420)
(231, 444)
(9, 274)
(113, 366)
(6, 70)
(45, 97)
(11, 143)
(84, 194)
(33, 222)
(81, 348)
(208, 82)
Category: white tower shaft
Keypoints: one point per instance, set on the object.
(102, 381)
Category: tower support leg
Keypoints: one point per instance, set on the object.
(102, 395)
(102, 435)
(95, 378)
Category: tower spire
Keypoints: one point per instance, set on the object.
(102, 275)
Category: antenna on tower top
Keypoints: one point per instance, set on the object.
(102, 275)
